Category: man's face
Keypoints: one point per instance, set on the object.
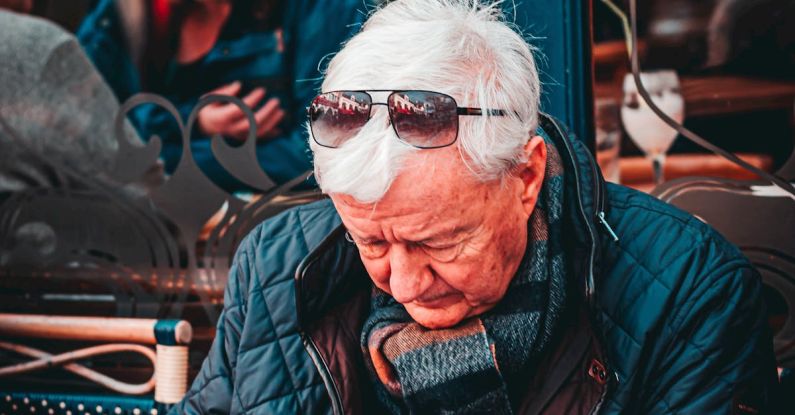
(441, 243)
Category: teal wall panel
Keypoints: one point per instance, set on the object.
(560, 29)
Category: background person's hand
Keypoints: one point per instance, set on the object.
(229, 120)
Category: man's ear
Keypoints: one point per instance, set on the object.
(532, 172)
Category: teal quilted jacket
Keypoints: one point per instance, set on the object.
(675, 309)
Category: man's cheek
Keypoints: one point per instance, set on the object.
(465, 278)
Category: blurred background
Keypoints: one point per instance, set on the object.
(735, 64)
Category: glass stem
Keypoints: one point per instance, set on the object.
(657, 165)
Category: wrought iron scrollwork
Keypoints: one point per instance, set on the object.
(144, 249)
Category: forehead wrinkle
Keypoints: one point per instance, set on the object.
(372, 210)
(421, 230)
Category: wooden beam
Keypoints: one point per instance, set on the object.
(102, 329)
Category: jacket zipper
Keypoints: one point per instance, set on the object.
(590, 283)
(600, 210)
(307, 340)
(603, 221)
(325, 372)
(600, 214)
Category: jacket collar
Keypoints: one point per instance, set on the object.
(587, 203)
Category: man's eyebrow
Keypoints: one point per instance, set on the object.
(447, 234)
(365, 239)
(370, 240)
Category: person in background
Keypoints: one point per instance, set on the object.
(57, 113)
(266, 52)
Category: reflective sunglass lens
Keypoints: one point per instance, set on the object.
(336, 117)
(424, 119)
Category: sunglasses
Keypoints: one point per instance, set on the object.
(423, 119)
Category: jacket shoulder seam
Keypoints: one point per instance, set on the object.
(301, 227)
(713, 281)
(686, 223)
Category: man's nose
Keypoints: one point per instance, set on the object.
(409, 273)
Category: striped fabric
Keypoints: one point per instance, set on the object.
(478, 365)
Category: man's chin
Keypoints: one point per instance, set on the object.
(432, 318)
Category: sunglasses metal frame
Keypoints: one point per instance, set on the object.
(459, 111)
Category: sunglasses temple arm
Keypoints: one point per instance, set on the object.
(479, 111)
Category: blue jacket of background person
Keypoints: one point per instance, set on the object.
(286, 61)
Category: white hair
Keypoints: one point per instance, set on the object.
(459, 47)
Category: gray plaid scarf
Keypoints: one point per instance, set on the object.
(479, 365)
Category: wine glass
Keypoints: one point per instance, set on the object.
(652, 135)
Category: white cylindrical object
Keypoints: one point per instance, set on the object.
(171, 373)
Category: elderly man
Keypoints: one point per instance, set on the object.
(471, 259)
